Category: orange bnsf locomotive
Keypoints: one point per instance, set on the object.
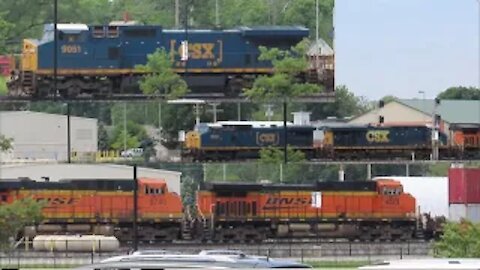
(354, 210)
(100, 206)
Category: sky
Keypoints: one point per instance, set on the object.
(401, 47)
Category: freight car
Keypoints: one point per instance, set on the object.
(102, 59)
(100, 206)
(353, 210)
(231, 140)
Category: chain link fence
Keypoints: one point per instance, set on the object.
(330, 252)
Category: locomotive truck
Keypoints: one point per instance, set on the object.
(365, 210)
(102, 59)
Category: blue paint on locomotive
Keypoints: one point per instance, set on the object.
(365, 136)
(124, 47)
(248, 136)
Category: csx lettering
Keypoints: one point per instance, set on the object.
(267, 138)
(71, 49)
(289, 201)
(378, 136)
(199, 50)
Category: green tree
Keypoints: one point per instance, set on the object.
(102, 138)
(272, 158)
(459, 240)
(346, 104)
(288, 66)
(3, 86)
(160, 77)
(389, 98)
(460, 92)
(15, 216)
(5, 143)
(132, 136)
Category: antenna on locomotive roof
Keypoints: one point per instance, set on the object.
(126, 16)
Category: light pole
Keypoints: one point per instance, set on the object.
(55, 48)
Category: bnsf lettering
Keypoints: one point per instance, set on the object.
(378, 136)
(57, 201)
(289, 201)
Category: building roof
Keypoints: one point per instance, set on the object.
(452, 111)
(43, 115)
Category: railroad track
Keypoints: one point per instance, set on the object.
(285, 242)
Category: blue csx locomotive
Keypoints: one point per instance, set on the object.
(102, 59)
(231, 140)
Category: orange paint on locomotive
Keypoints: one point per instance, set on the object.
(388, 201)
(154, 202)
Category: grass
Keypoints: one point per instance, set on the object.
(3, 86)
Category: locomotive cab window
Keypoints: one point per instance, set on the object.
(98, 32)
(112, 32)
(391, 191)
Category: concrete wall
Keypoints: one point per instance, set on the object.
(61, 171)
(44, 136)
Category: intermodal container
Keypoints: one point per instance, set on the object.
(463, 186)
(470, 212)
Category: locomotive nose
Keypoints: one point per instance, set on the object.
(192, 140)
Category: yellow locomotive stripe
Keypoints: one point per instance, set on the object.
(127, 71)
(92, 216)
(75, 193)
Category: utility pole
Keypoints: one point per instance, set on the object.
(217, 14)
(160, 120)
(316, 21)
(69, 147)
(55, 47)
(285, 131)
(177, 13)
(135, 208)
(125, 126)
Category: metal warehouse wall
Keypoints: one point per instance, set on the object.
(59, 171)
(44, 136)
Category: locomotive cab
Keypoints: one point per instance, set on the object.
(393, 201)
(390, 188)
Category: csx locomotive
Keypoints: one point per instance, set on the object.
(102, 60)
(231, 140)
(225, 211)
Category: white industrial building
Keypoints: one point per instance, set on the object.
(55, 172)
(43, 136)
